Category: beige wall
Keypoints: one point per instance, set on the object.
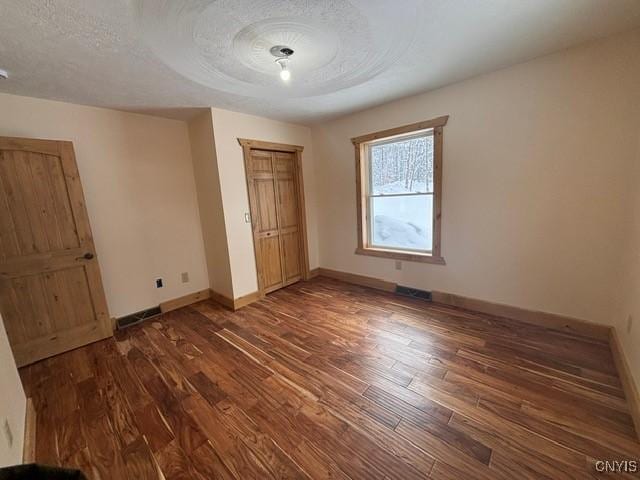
(13, 405)
(138, 182)
(205, 167)
(536, 159)
(630, 283)
(228, 127)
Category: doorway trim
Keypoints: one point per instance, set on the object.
(247, 145)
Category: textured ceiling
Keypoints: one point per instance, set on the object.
(157, 56)
(225, 44)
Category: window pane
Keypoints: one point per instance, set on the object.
(405, 166)
(402, 222)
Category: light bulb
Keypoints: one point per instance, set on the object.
(282, 54)
(285, 74)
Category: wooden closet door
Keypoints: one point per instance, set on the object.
(275, 210)
(288, 214)
(51, 294)
(265, 217)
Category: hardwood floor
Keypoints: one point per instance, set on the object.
(329, 380)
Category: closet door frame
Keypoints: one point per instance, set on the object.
(250, 144)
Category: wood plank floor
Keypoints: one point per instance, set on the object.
(329, 380)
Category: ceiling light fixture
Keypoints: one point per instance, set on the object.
(285, 74)
(3, 74)
(282, 55)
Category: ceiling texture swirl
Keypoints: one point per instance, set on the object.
(160, 56)
(336, 43)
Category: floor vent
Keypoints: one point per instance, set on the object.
(137, 317)
(413, 292)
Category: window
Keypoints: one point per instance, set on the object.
(399, 183)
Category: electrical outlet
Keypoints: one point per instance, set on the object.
(8, 433)
(629, 324)
(185, 277)
(159, 283)
(398, 265)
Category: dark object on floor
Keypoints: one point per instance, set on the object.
(33, 471)
(138, 317)
(413, 292)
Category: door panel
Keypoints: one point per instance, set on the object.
(19, 230)
(265, 217)
(266, 203)
(261, 162)
(285, 164)
(291, 249)
(287, 202)
(289, 216)
(36, 207)
(271, 263)
(62, 297)
(51, 296)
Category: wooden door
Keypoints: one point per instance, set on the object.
(51, 294)
(266, 227)
(284, 166)
(274, 183)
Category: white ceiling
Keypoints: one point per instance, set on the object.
(159, 56)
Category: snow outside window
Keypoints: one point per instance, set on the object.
(400, 193)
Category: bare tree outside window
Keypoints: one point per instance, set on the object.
(400, 193)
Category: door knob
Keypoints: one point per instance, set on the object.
(86, 256)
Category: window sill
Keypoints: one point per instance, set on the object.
(399, 255)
